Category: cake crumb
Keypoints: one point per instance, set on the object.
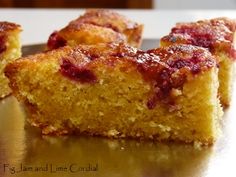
(164, 128)
(197, 145)
(132, 119)
(113, 132)
(152, 124)
(101, 81)
(176, 92)
(101, 113)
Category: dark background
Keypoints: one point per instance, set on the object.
(126, 4)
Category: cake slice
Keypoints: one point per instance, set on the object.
(114, 90)
(217, 35)
(10, 49)
(97, 26)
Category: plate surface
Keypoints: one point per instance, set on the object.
(24, 152)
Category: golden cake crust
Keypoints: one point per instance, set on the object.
(7, 26)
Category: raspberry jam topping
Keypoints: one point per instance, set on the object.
(77, 73)
(55, 41)
(198, 36)
(216, 34)
(3, 46)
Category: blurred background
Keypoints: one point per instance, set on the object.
(121, 4)
(147, 4)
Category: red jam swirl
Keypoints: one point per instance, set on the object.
(77, 73)
(55, 41)
(3, 46)
(198, 37)
(211, 34)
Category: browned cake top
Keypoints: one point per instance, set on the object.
(107, 22)
(215, 34)
(7, 26)
(104, 18)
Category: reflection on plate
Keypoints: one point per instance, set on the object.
(112, 157)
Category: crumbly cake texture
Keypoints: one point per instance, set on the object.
(116, 91)
(217, 35)
(10, 49)
(97, 26)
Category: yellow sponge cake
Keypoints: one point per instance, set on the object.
(114, 90)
